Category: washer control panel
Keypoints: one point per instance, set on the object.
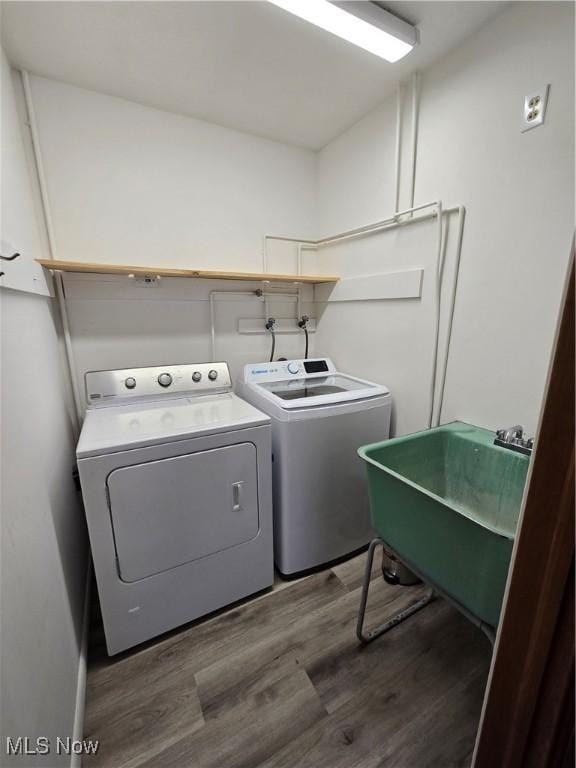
(154, 382)
(289, 369)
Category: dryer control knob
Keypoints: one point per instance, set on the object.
(164, 379)
(212, 375)
(293, 367)
(196, 376)
(130, 382)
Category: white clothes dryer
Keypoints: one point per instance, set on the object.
(175, 472)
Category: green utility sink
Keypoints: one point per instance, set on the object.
(446, 501)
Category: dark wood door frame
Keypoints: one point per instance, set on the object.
(528, 717)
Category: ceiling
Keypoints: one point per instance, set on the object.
(247, 65)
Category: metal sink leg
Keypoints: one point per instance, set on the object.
(398, 618)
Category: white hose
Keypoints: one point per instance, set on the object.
(398, 152)
(415, 106)
(437, 293)
(461, 216)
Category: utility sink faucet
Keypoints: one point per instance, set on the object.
(513, 438)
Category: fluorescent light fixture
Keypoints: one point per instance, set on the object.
(361, 22)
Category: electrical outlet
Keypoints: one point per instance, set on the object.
(534, 108)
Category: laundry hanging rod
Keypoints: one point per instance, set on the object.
(391, 222)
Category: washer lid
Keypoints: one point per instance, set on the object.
(120, 428)
(318, 390)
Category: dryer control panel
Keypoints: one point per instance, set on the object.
(152, 382)
(289, 369)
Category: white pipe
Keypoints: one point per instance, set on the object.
(212, 329)
(398, 148)
(395, 221)
(276, 295)
(298, 272)
(60, 295)
(32, 124)
(365, 229)
(437, 292)
(391, 222)
(261, 296)
(461, 216)
(301, 245)
(370, 228)
(212, 298)
(265, 254)
(414, 141)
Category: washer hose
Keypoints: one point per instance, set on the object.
(270, 327)
(303, 324)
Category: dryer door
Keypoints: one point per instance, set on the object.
(166, 513)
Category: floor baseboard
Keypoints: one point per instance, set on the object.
(78, 730)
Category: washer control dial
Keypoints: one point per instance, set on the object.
(212, 375)
(293, 367)
(196, 376)
(130, 382)
(165, 379)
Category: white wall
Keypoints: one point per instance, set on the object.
(118, 324)
(43, 541)
(519, 193)
(131, 184)
(18, 204)
(128, 183)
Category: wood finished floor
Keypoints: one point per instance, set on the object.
(281, 682)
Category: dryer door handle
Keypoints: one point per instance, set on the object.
(237, 492)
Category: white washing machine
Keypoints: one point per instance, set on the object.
(175, 472)
(319, 419)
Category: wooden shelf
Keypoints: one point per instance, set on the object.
(124, 269)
